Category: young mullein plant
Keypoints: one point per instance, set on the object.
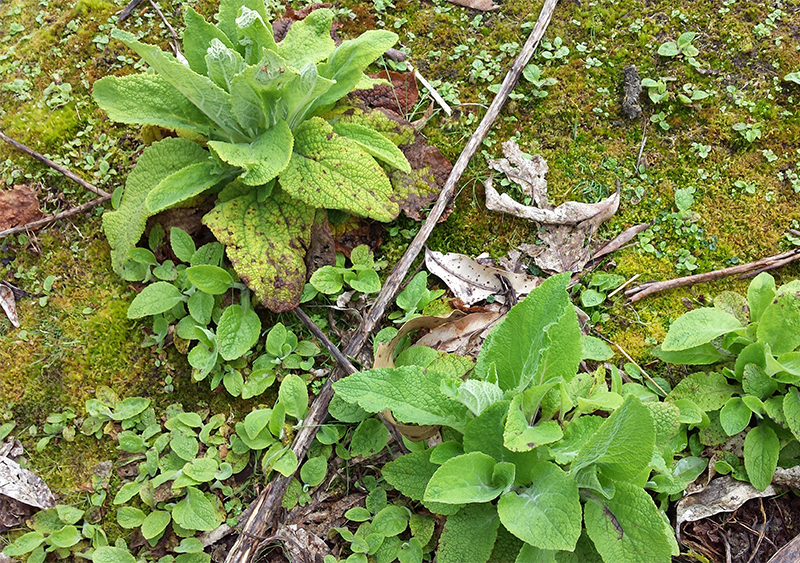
(252, 128)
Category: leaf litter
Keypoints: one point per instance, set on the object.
(568, 228)
(20, 489)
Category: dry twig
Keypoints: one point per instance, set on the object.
(52, 218)
(41, 158)
(266, 505)
(751, 268)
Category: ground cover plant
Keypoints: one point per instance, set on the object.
(717, 177)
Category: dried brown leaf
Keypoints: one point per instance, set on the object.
(18, 206)
(482, 5)
(400, 97)
(463, 336)
(471, 281)
(9, 304)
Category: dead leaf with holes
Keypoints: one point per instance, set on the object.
(472, 281)
(568, 228)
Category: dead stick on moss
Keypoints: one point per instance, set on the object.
(57, 167)
(643, 290)
(47, 220)
(256, 528)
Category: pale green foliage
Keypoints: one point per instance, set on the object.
(258, 105)
(752, 343)
(527, 446)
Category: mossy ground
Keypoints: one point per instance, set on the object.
(81, 338)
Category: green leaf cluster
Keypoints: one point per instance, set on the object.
(751, 344)
(360, 276)
(261, 140)
(525, 458)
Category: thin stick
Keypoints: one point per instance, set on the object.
(620, 288)
(631, 360)
(265, 506)
(343, 360)
(643, 290)
(47, 220)
(41, 158)
(432, 91)
(176, 39)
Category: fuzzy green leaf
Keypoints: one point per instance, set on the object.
(155, 298)
(223, 64)
(209, 279)
(576, 434)
(369, 438)
(108, 554)
(780, 324)
(229, 11)
(308, 40)
(266, 244)
(197, 38)
(623, 445)
(195, 512)
(760, 294)
(347, 63)
(130, 517)
(734, 416)
(468, 478)
(125, 226)
(761, 449)
(410, 473)
(237, 332)
(410, 392)
(155, 524)
(24, 544)
(708, 391)
(148, 99)
(262, 159)
(791, 410)
(257, 93)
(469, 535)
(523, 432)
(184, 184)
(702, 355)
(255, 34)
(200, 90)
(538, 340)
(627, 528)
(294, 396)
(302, 94)
(698, 327)
(374, 143)
(330, 171)
(547, 514)
(314, 470)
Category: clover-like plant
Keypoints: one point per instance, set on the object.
(254, 133)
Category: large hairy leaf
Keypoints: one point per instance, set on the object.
(347, 63)
(410, 392)
(223, 64)
(229, 11)
(261, 160)
(266, 243)
(330, 171)
(197, 38)
(547, 514)
(469, 478)
(148, 99)
(185, 184)
(627, 528)
(302, 94)
(539, 340)
(469, 535)
(125, 226)
(257, 92)
(308, 40)
(200, 90)
(255, 34)
(374, 143)
(698, 327)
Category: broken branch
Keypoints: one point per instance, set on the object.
(643, 290)
(52, 218)
(41, 158)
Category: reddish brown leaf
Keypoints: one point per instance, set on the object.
(18, 206)
(400, 97)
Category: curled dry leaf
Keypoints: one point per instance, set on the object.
(567, 227)
(462, 336)
(721, 495)
(300, 545)
(18, 206)
(471, 281)
(9, 304)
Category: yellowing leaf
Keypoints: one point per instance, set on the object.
(266, 243)
(330, 171)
